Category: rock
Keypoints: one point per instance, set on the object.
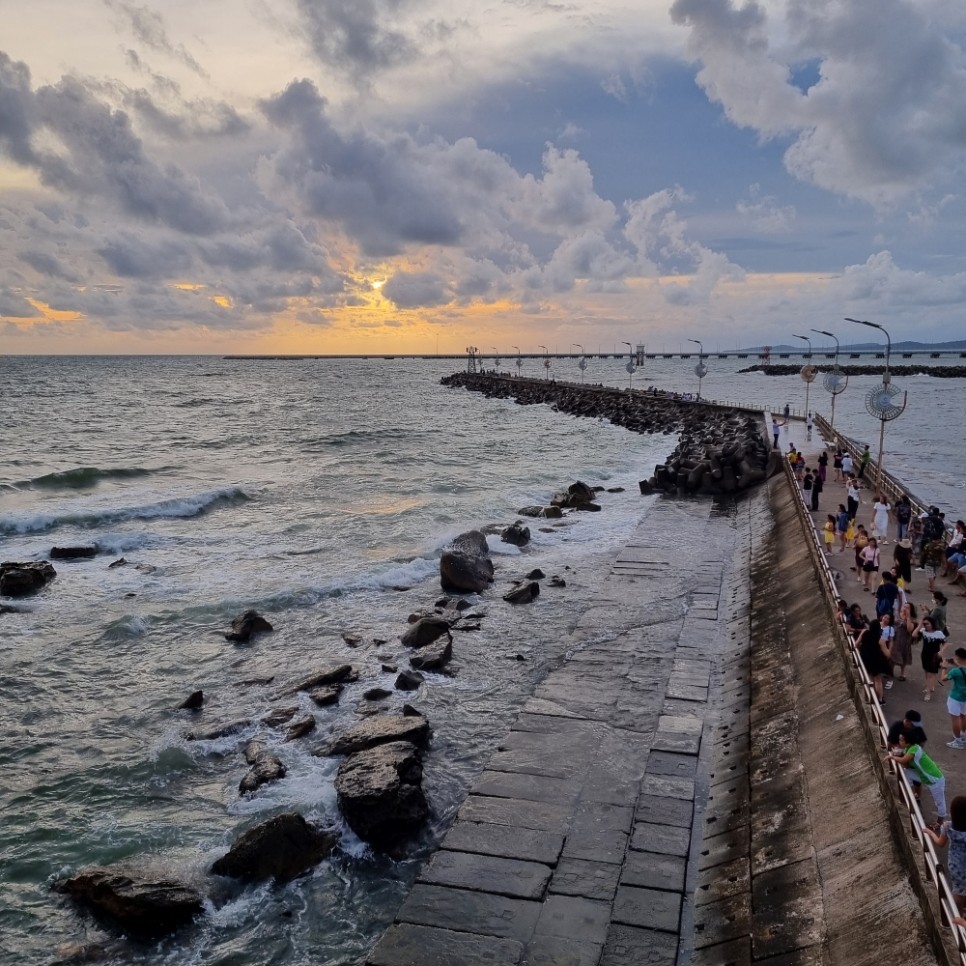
(380, 796)
(409, 681)
(281, 849)
(410, 712)
(327, 695)
(301, 728)
(377, 694)
(389, 668)
(647, 487)
(252, 750)
(352, 640)
(615, 489)
(473, 543)
(523, 594)
(465, 574)
(120, 562)
(131, 594)
(72, 553)
(8, 609)
(73, 954)
(139, 903)
(380, 731)
(556, 581)
(265, 768)
(516, 534)
(588, 507)
(552, 512)
(433, 657)
(580, 493)
(465, 628)
(278, 716)
(337, 674)
(193, 702)
(21, 579)
(426, 630)
(213, 734)
(530, 511)
(537, 574)
(242, 628)
(145, 568)
(253, 681)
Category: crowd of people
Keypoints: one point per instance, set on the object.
(889, 625)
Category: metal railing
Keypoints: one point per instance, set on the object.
(935, 873)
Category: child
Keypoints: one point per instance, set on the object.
(912, 756)
(842, 525)
(829, 533)
(955, 835)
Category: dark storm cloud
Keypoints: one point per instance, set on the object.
(47, 264)
(357, 36)
(409, 290)
(129, 256)
(15, 306)
(148, 27)
(195, 119)
(382, 191)
(16, 108)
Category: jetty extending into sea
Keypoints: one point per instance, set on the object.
(700, 781)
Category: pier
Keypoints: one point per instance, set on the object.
(700, 782)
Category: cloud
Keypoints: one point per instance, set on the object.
(409, 290)
(765, 213)
(148, 27)
(885, 118)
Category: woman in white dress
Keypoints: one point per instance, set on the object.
(880, 518)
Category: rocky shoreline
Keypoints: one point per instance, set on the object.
(720, 450)
(940, 372)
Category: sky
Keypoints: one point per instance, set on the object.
(396, 176)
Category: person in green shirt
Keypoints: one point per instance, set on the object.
(864, 461)
(954, 672)
(912, 756)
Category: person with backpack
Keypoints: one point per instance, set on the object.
(903, 514)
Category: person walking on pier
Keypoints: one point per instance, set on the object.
(931, 656)
(874, 653)
(864, 458)
(880, 519)
(902, 640)
(808, 428)
(837, 476)
(870, 562)
(775, 430)
(902, 555)
(853, 498)
(955, 672)
(903, 514)
(846, 465)
(817, 486)
(842, 527)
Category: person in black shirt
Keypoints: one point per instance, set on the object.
(910, 726)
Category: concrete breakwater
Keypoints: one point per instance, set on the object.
(720, 450)
(940, 372)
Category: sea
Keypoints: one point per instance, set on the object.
(320, 493)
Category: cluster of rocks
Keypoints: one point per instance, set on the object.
(720, 450)
(920, 369)
(717, 453)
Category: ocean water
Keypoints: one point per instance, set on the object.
(320, 493)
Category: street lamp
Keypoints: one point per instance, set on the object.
(519, 359)
(834, 381)
(630, 364)
(700, 370)
(881, 401)
(546, 360)
(582, 363)
(807, 373)
(496, 356)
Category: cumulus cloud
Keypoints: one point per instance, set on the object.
(765, 213)
(885, 118)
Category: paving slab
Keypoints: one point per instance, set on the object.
(652, 870)
(630, 946)
(601, 845)
(529, 788)
(487, 873)
(557, 951)
(573, 917)
(647, 908)
(509, 811)
(664, 839)
(488, 914)
(671, 787)
(667, 763)
(504, 840)
(587, 878)
(677, 742)
(661, 810)
(405, 944)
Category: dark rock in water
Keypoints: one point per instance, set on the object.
(242, 628)
(588, 507)
(120, 562)
(131, 594)
(377, 694)
(214, 733)
(409, 681)
(72, 553)
(473, 543)
(278, 716)
(73, 954)
(433, 657)
(193, 702)
(380, 795)
(615, 489)
(410, 712)
(523, 594)
(8, 609)
(379, 731)
(337, 674)
(281, 849)
(21, 579)
(537, 574)
(580, 493)
(530, 511)
(326, 695)
(352, 640)
(139, 903)
(301, 728)
(556, 581)
(145, 568)
(552, 512)
(265, 768)
(252, 750)
(463, 573)
(516, 534)
(425, 631)
(647, 487)
(389, 668)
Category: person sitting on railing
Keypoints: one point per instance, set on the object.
(911, 756)
(954, 549)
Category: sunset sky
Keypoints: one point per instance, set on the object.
(400, 175)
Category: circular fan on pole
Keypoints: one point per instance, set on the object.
(880, 402)
(582, 364)
(808, 373)
(700, 370)
(546, 363)
(629, 368)
(835, 381)
(519, 362)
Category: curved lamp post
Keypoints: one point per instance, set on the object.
(836, 380)
(700, 370)
(582, 362)
(496, 356)
(519, 362)
(881, 401)
(808, 370)
(630, 365)
(546, 360)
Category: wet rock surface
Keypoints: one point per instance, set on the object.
(244, 626)
(72, 553)
(380, 731)
(466, 566)
(266, 768)
(22, 579)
